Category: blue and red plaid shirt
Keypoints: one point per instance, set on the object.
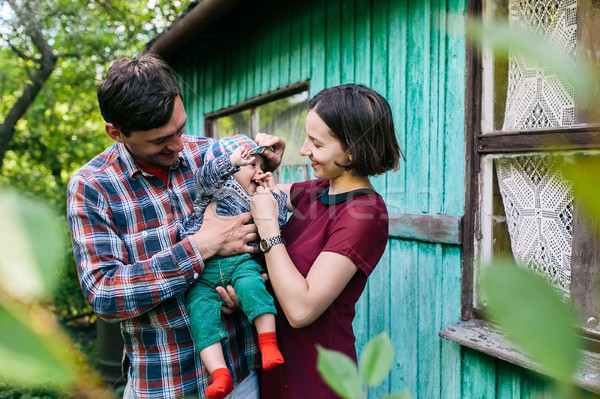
(134, 268)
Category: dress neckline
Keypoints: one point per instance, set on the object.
(335, 199)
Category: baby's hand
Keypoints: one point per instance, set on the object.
(268, 181)
(241, 157)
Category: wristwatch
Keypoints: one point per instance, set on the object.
(266, 244)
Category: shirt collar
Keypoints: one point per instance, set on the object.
(132, 167)
(335, 199)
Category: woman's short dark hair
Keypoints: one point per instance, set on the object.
(138, 94)
(361, 119)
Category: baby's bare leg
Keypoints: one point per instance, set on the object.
(213, 360)
(265, 323)
(212, 357)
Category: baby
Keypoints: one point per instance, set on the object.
(232, 170)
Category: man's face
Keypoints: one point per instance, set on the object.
(159, 146)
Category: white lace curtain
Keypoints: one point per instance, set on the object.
(537, 97)
(538, 202)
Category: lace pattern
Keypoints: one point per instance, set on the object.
(538, 201)
(537, 97)
(538, 204)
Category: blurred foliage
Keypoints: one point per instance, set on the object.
(342, 375)
(63, 129)
(503, 39)
(32, 342)
(584, 173)
(524, 304)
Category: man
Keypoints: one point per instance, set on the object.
(125, 209)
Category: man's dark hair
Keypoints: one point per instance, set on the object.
(361, 119)
(138, 94)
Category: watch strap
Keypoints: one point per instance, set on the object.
(267, 243)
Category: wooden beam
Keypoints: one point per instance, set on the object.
(439, 229)
(484, 337)
(563, 138)
(472, 124)
(190, 23)
(287, 91)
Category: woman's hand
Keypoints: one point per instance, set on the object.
(267, 181)
(265, 212)
(278, 145)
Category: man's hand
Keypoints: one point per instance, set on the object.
(229, 297)
(278, 145)
(225, 235)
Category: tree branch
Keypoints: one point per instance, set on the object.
(46, 65)
(15, 50)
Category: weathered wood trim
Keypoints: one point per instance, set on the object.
(439, 229)
(585, 258)
(260, 100)
(563, 138)
(484, 337)
(472, 129)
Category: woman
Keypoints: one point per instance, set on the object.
(334, 238)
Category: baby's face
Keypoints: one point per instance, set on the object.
(248, 174)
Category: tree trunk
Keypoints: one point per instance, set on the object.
(46, 64)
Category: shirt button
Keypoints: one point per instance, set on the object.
(196, 276)
(144, 234)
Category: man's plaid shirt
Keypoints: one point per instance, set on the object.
(134, 268)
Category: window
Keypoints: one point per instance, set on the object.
(525, 122)
(529, 116)
(282, 113)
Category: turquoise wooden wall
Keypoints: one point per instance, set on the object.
(406, 51)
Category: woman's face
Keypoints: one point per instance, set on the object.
(323, 149)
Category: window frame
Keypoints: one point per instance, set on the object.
(479, 144)
(473, 331)
(251, 104)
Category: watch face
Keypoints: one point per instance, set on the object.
(264, 245)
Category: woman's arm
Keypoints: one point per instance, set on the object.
(303, 299)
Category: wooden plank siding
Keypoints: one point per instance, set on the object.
(404, 50)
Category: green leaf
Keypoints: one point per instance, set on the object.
(339, 372)
(399, 395)
(532, 314)
(376, 359)
(32, 247)
(25, 355)
(584, 173)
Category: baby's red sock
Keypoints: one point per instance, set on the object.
(271, 357)
(222, 384)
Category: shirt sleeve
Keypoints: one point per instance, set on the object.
(208, 180)
(115, 289)
(282, 205)
(212, 175)
(361, 234)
